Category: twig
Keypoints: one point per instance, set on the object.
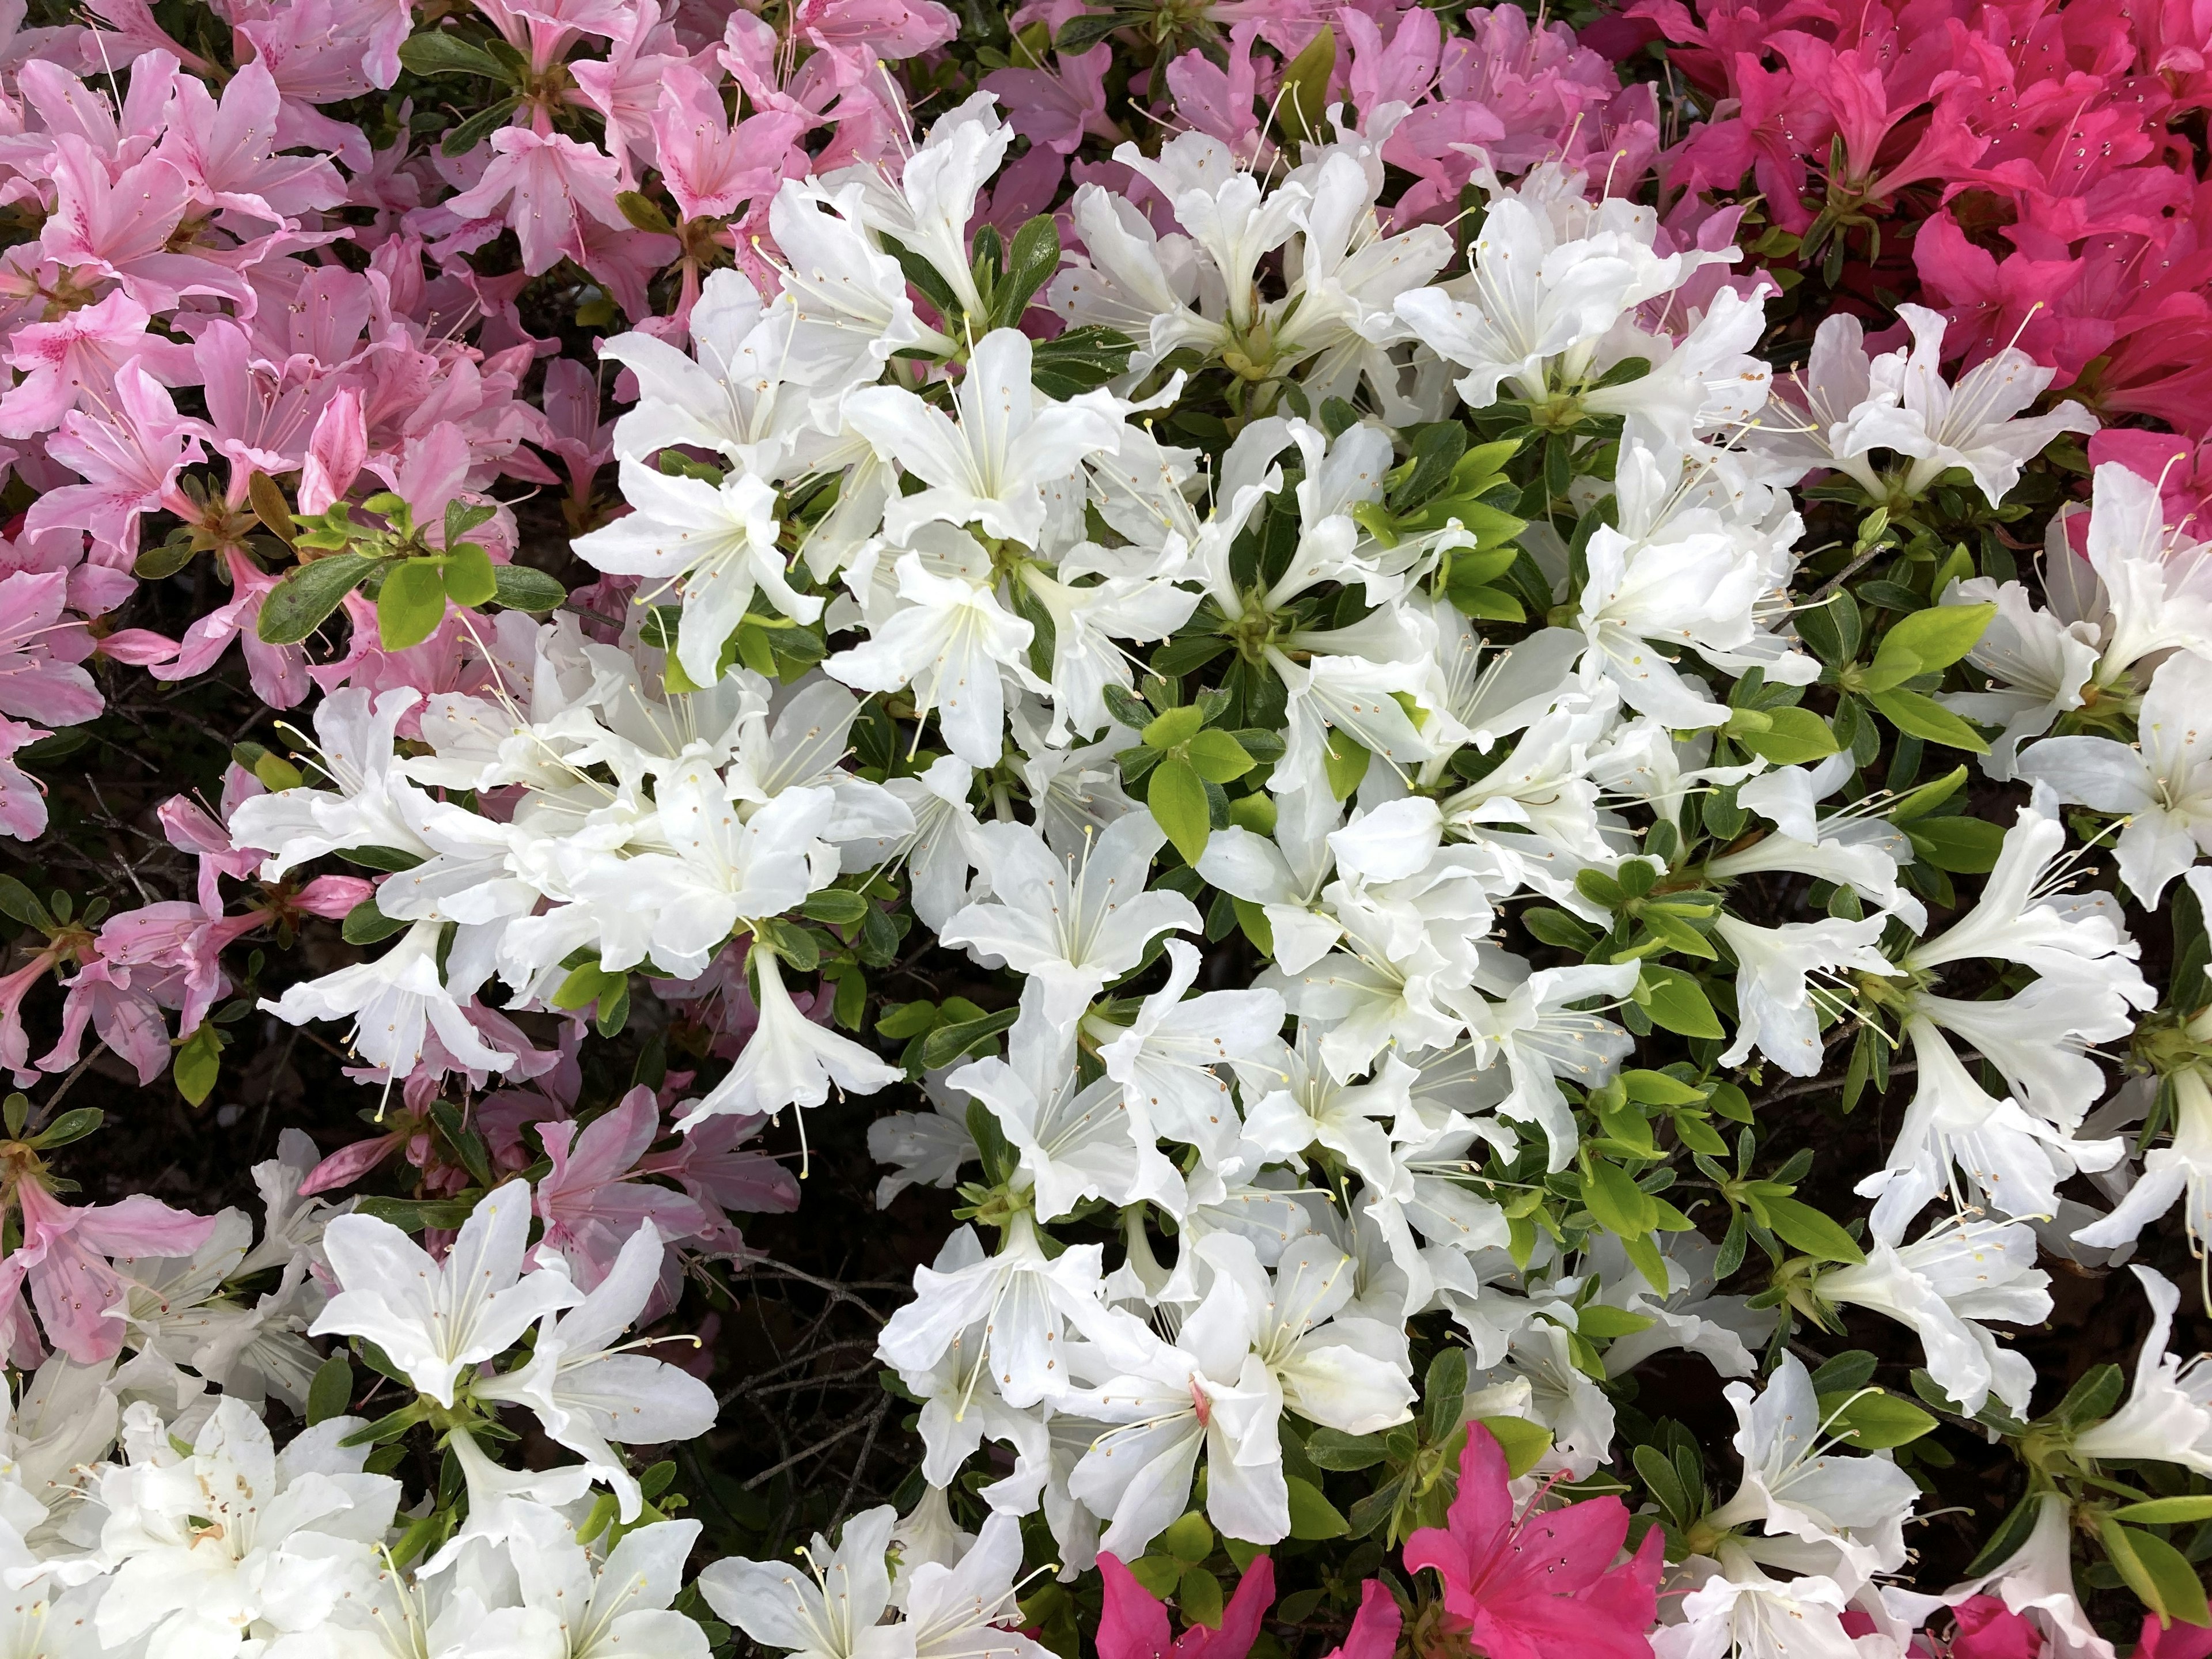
(860, 1463)
(1820, 1085)
(1847, 573)
(44, 1113)
(852, 1428)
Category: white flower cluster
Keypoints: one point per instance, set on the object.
(145, 1510)
(996, 541)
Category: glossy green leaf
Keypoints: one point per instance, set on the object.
(296, 606)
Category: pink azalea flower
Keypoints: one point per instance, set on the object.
(1540, 1584)
(1987, 1628)
(40, 647)
(122, 227)
(884, 29)
(278, 672)
(2180, 468)
(624, 86)
(225, 151)
(321, 51)
(337, 449)
(261, 414)
(190, 828)
(351, 1162)
(108, 999)
(65, 104)
(710, 167)
(129, 459)
(131, 27)
(15, 1042)
(70, 363)
(64, 1261)
(22, 800)
(553, 186)
(2176, 1640)
(1133, 1624)
(1374, 1633)
(584, 443)
(592, 1200)
(710, 1166)
(180, 946)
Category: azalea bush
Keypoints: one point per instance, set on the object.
(1243, 828)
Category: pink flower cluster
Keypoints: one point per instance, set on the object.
(1499, 91)
(1528, 1580)
(2027, 164)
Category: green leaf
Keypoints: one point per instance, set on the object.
(2168, 1511)
(1658, 1474)
(1305, 87)
(21, 904)
(1833, 629)
(331, 1391)
(585, 985)
(519, 587)
(436, 52)
(295, 607)
(1330, 1448)
(1176, 795)
(2092, 1399)
(2158, 1573)
(1616, 1202)
(1198, 1598)
(365, 924)
(839, 907)
(1086, 29)
(948, 1044)
(1313, 1515)
(1188, 1538)
(2011, 1533)
(1521, 1441)
(1219, 757)
(1485, 603)
(1923, 717)
(70, 1127)
(1602, 1322)
(469, 577)
(1806, 1228)
(1925, 641)
(1928, 797)
(1437, 449)
(412, 1215)
(1177, 726)
(168, 558)
(1345, 760)
(1443, 1389)
(643, 213)
(1658, 1088)
(1079, 360)
(900, 1020)
(391, 860)
(1874, 1421)
(1679, 1004)
(1159, 1574)
(271, 509)
(412, 603)
(992, 1150)
(1793, 737)
(198, 1059)
(1031, 258)
(1966, 847)
(478, 128)
(1847, 1373)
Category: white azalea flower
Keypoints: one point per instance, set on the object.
(435, 1319)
